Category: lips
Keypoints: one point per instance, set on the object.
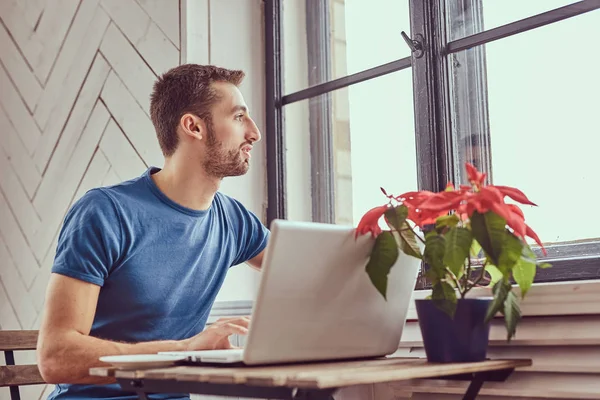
(246, 150)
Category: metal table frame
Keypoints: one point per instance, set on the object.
(142, 387)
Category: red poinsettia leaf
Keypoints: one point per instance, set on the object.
(442, 202)
(515, 194)
(516, 210)
(491, 194)
(370, 221)
(529, 232)
(474, 175)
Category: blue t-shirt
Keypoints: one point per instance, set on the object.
(159, 264)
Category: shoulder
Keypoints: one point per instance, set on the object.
(94, 204)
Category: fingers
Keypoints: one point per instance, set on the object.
(241, 321)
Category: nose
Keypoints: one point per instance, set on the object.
(253, 133)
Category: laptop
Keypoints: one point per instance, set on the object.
(315, 301)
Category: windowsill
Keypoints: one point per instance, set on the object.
(543, 299)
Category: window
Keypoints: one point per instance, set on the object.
(421, 87)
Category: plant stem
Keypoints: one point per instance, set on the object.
(455, 279)
(482, 275)
(468, 275)
(415, 233)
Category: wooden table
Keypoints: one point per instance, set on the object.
(317, 381)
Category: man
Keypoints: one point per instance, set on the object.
(139, 264)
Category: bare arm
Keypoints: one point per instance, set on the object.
(256, 262)
(66, 352)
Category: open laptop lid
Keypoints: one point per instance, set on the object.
(316, 302)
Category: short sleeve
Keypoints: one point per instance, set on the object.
(89, 241)
(252, 235)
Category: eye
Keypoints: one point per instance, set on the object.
(239, 117)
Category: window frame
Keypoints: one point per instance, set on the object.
(435, 141)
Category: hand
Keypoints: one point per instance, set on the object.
(216, 336)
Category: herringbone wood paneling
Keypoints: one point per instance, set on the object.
(76, 76)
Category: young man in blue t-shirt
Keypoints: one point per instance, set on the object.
(139, 264)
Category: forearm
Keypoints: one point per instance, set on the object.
(68, 359)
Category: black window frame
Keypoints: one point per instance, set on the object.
(435, 140)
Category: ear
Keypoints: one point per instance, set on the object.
(192, 126)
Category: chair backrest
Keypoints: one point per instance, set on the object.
(18, 375)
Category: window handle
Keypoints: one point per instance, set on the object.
(416, 46)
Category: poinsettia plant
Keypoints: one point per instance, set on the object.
(455, 228)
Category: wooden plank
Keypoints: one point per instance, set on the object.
(8, 319)
(531, 331)
(32, 10)
(552, 298)
(560, 359)
(111, 178)
(519, 384)
(166, 15)
(17, 68)
(18, 340)
(17, 245)
(82, 154)
(17, 198)
(17, 112)
(13, 18)
(95, 173)
(121, 155)
(376, 375)
(88, 17)
(133, 120)
(157, 50)
(51, 30)
(323, 375)
(20, 160)
(129, 66)
(15, 289)
(152, 44)
(73, 130)
(122, 13)
(70, 87)
(20, 375)
(37, 292)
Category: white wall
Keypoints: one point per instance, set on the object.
(74, 105)
(229, 33)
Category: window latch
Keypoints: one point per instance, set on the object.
(416, 46)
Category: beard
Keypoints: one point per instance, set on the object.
(220, 162)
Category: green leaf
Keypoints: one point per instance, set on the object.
(512, 314)
(446, 221)
(489, 229)
(435, 246)
(396, 216)
(510, 252)
(458, 243)
(544, 265)
(495, 274)
(444, 297)
(408, 241)
(475, 249)
(500, 290)
(524, 273)
(383, 256)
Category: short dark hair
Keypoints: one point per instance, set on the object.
(185, 89)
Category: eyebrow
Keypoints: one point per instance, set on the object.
(239, 108)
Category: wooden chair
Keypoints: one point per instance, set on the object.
(13, 375)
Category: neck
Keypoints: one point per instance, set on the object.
(186, 183)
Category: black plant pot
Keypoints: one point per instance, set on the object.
(463, 338)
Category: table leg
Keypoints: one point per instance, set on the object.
(314, 394)
(473, 389)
